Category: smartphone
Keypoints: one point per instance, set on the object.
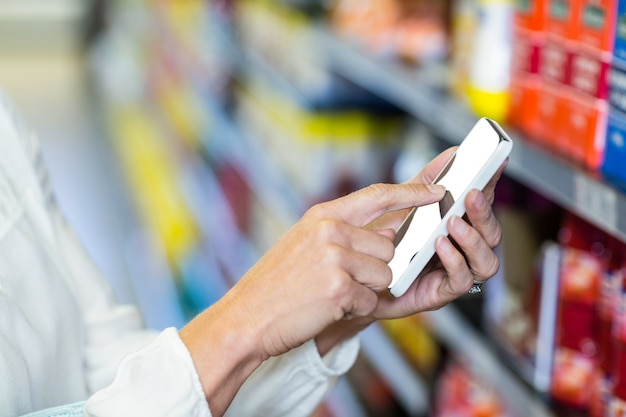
(472, 166)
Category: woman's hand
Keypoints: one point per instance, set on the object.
(456, 270)
(326, 268)
(447, 279)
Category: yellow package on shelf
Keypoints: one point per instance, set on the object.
(318, 149)
(183, 113)
(152, 176)
(185, 18)
(416, 341)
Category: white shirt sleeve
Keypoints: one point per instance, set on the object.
(108, 330)
(295, 383)
(160, 380)
(153, 374)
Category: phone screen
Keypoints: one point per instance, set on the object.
(456, 177)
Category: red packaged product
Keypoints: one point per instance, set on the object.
(461, 394)
(609, 295)
(617, 407)
(576, 352)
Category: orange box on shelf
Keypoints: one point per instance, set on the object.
(525, 81)
(531, 14)
(552, 116)
(588, 106)
(563, 18)
(597, 24)
(588, 119)
(517, 103)
(555, 72)
(524, 111)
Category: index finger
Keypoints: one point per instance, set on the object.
(428, 174)
(369, 203)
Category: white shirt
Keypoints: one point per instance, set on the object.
(63, 336)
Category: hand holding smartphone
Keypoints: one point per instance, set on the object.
(475, 162)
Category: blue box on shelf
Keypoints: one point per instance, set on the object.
(614, 164)
(619, 50)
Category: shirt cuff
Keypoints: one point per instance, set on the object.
(293, 384)
(158, 380)
(338, 360)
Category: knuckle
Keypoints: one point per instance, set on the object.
(378, 191)
(339, 288)
(333, 255)
(317, 211)
(474, 240)
(484, 216)
(496, 236)
(326, 230)
(489, 269)
(385, 278)
(494, 266)
(388, 250)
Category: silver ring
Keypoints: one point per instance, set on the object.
(477, 287)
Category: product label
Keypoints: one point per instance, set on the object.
(563, 18)
(598, 23)
(525, 55)
(555, 63)
(590, 75)
(594, 17)
(560, 10)
(617, 87)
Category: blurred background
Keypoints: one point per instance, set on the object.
(183, 137)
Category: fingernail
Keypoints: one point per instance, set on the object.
(436, 189)
(444, 244)
(459, 225)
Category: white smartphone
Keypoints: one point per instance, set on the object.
(472, 166)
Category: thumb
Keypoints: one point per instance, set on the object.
(364, 206)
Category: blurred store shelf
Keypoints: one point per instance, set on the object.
(452, 328)
(422, 93)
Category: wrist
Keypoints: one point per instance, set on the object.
(224, 346)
